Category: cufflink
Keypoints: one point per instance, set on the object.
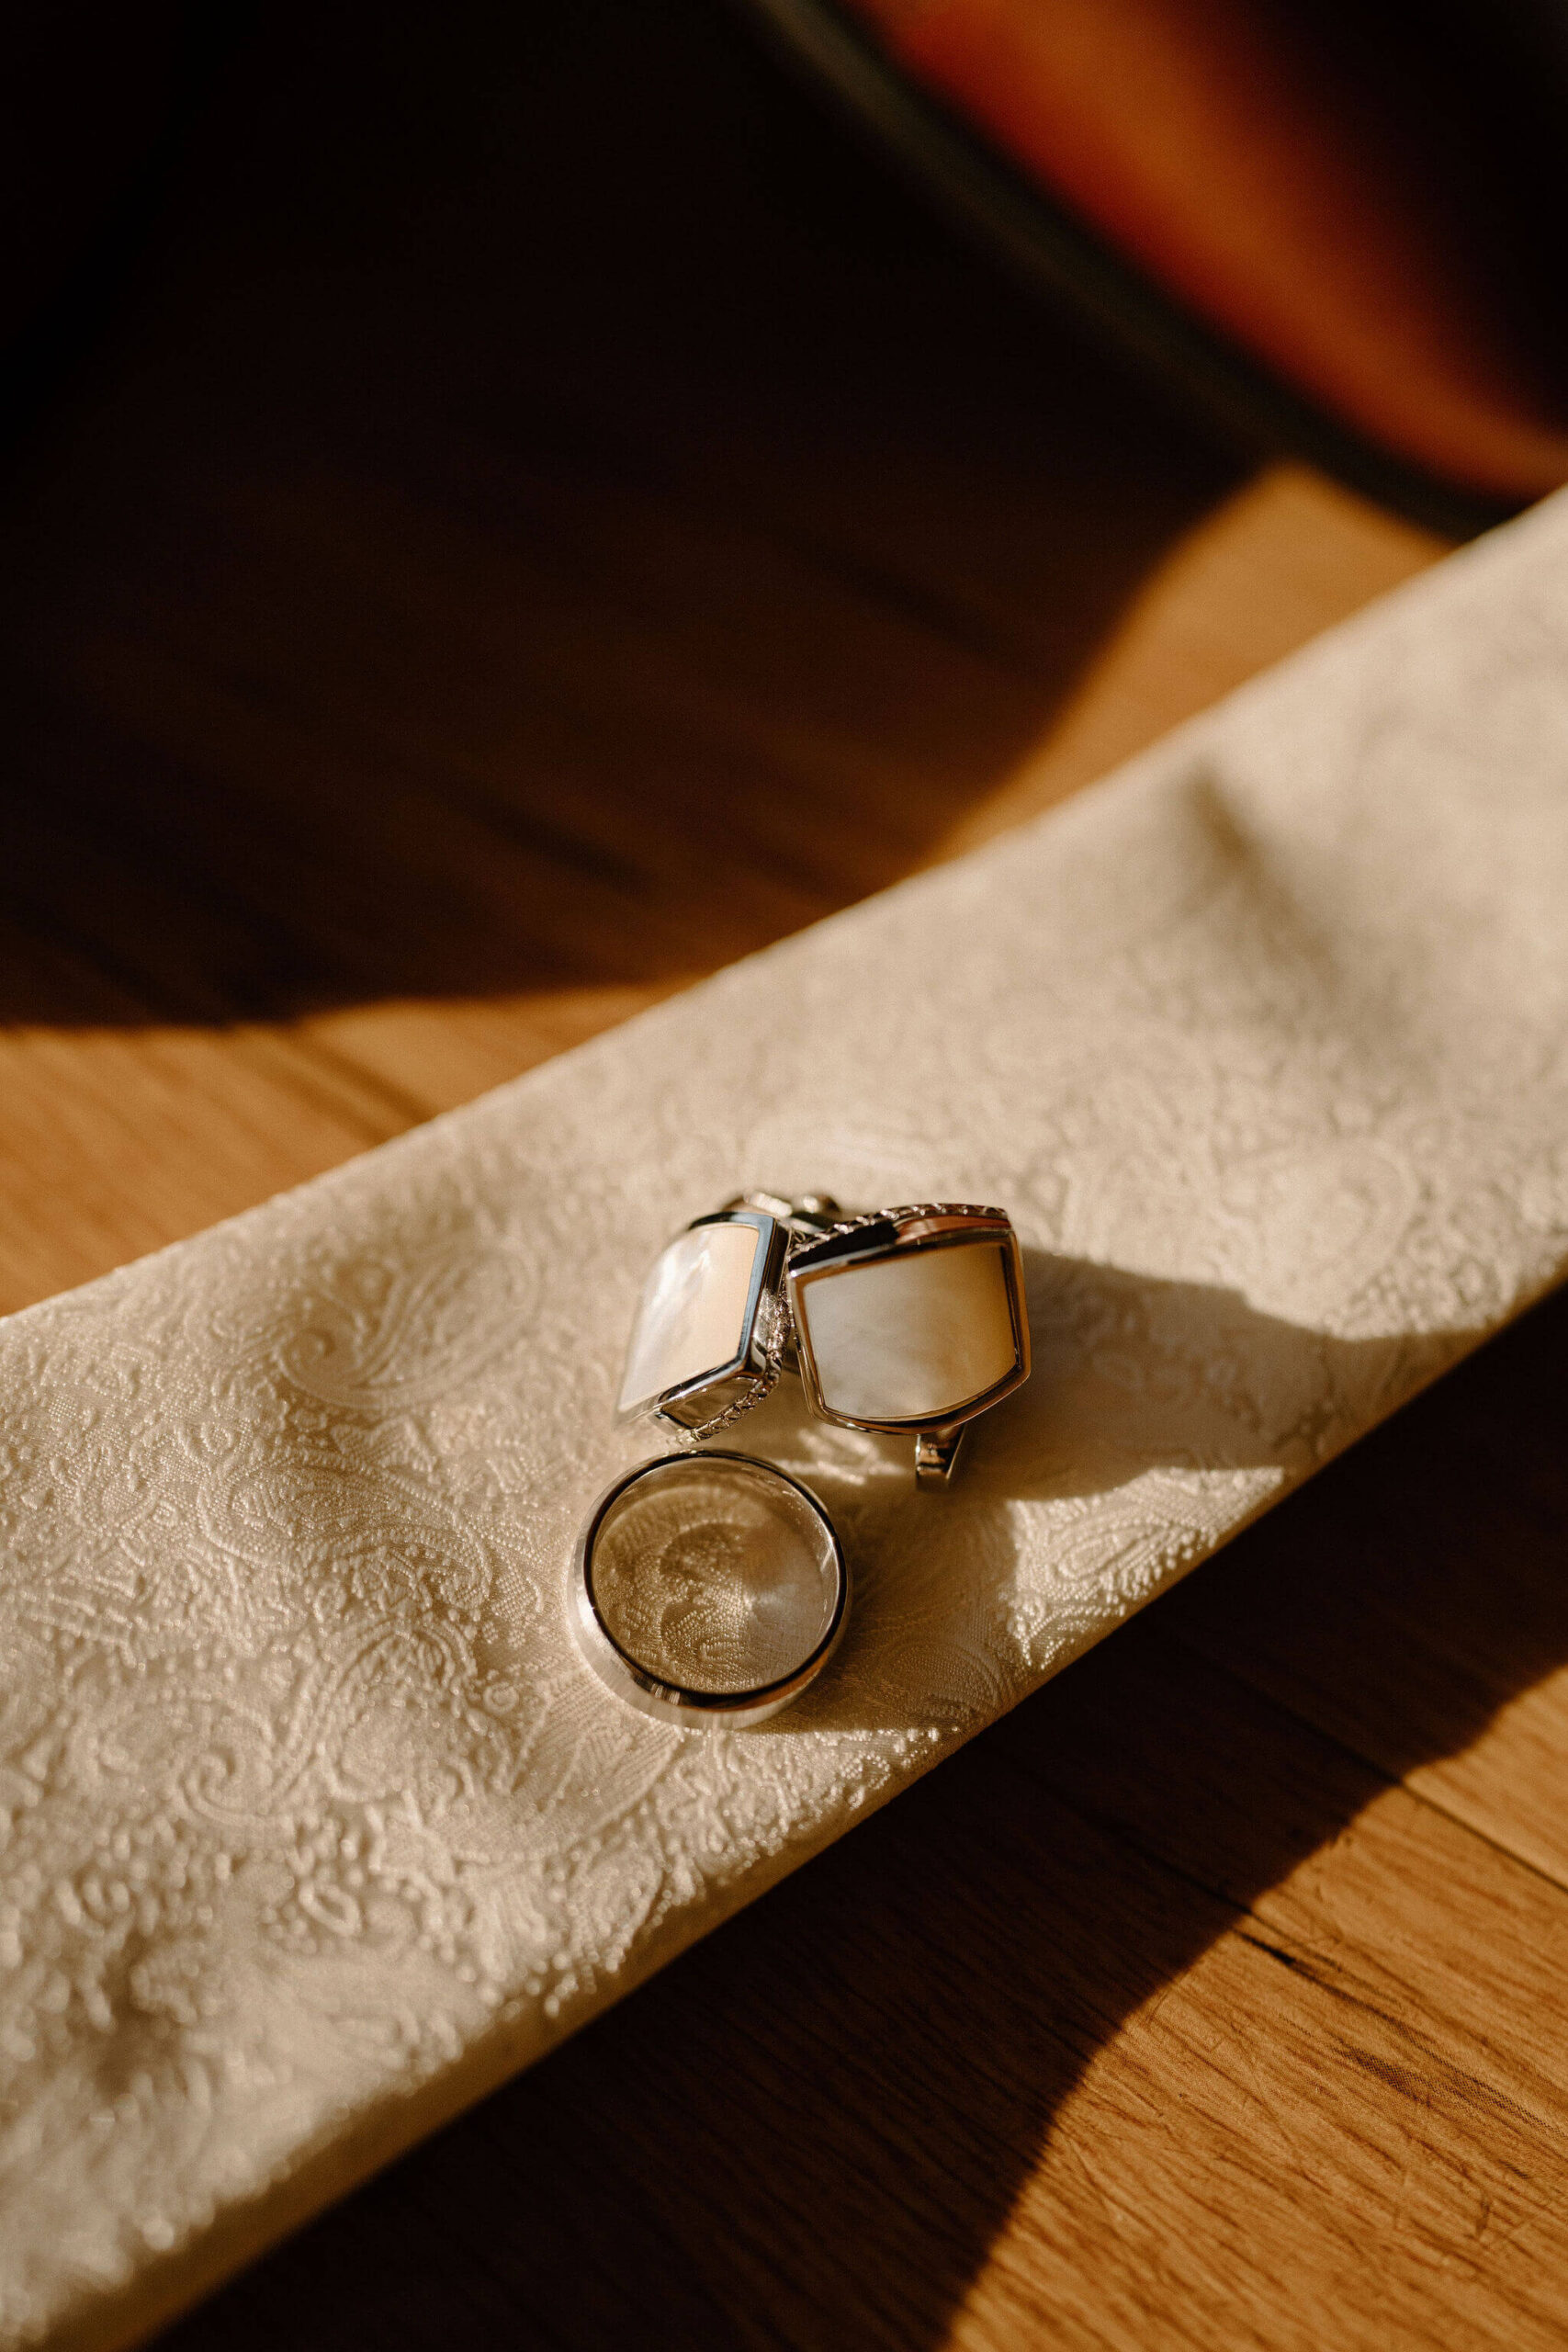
(910, 1319)
(712, 1329)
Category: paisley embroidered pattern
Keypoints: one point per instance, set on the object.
(313, 1822)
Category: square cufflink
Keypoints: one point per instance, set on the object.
(912, 1319)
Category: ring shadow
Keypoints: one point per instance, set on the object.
(810, 2130)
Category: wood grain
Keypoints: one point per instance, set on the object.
(552, 516)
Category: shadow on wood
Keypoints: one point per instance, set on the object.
(552, 511)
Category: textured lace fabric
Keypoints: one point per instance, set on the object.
(315, 1823)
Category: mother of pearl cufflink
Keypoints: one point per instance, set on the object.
(903, 1319)
(911, 1319)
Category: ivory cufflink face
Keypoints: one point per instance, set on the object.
(710, 1325)
(912, 1319)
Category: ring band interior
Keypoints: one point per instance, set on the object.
(715, 1579)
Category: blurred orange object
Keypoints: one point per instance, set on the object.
(1283, 175)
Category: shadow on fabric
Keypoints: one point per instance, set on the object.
(811, 2129)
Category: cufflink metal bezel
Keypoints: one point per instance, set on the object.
(891, 1234)
(699, 1406)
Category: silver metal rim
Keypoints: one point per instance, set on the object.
(755, 1364)
(668, 1702)
(969, 1226)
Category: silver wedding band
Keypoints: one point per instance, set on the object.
(731, 1600)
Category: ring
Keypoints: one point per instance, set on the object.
(709, 1588)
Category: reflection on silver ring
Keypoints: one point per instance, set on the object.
(708, 1589)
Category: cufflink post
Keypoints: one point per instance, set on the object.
(936, 1453)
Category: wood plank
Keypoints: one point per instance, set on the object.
(1269, 569)
(1449, 1671)
(189, 866)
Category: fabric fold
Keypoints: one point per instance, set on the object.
(316, 1825)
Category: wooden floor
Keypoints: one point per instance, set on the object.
(551, 517)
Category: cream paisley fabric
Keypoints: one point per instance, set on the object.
(314, 1824)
